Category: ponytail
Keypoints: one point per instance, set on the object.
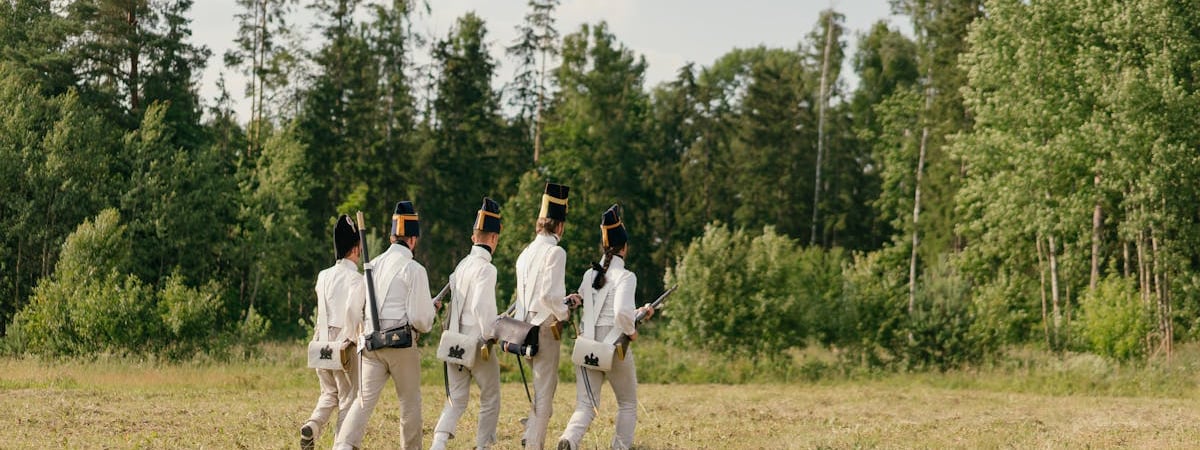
(601, 269)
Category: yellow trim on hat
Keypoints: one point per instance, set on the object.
(399, 219)
(479, 218)
(604, 230)
(547, 199)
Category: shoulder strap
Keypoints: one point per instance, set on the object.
(322, 319)
(524, 297)
(591, 313)
(615, 332)
(456, 307)
(387, 279)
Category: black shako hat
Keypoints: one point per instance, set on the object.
(345, 236)
(554, 202)
(612, 229)
(488, 218)
(404, 220)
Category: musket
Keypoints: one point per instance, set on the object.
(622, 343)
(442, 293)
(367, 271)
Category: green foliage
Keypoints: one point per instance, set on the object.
(88, 305)
(871, 315)
(468, 154)
(91, 305)
(942, 330)
(273, 247)
(1113, 321)
(755, 296)
(189, 316)
(1042, 162)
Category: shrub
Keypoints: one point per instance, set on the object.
(1113, 321)
(91, 305)
(871, 311)
(189, 316)
(942, 326)
(87, 305)
(752, 296)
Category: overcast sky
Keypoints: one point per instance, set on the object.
(669, 33)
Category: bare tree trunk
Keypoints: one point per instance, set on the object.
(1143, 277)
(537, 114)
(17, 277)
(816, 204)
(132, 19)
(1042, 274)
(1056, 300)
(1097, 221)
(1125, 251)
(262, 62)
(916, 240)
(1161, 291)
(255, 66)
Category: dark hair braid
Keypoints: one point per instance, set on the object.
(601, 269)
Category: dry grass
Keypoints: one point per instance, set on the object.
(118, 404)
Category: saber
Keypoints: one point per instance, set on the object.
(587, 384)
(445, 365)
(446, 379)
(526, 383)
(622, 343)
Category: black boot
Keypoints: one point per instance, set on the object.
(306, 437)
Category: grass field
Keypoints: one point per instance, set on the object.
(260, 404)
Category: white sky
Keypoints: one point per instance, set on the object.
(669, 33)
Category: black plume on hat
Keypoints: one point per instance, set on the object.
(405, 222)
(612, 229)
(345, 236)
(554, 202)
(488, 218)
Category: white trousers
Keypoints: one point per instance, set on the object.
(338, 390)
(545, 382)
(403, 366)
(623, 379)
(487, 376)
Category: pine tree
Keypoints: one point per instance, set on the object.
(535, 50)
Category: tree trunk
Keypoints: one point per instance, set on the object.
(17, 276)
(255, 67)
(262, 62)
(1054, 292)
(1097, 221)
(1162, 292)
(537, 114)
(1042, 275)
(132, 19)
(1143, 278)
(1125, 253)
(916, 240)
(824, 94)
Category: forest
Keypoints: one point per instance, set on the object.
(1009, 174)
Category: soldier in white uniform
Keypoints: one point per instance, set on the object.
(608, 302)
(402, 293)
(473, 310)
(541, 289)
(338, 289)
